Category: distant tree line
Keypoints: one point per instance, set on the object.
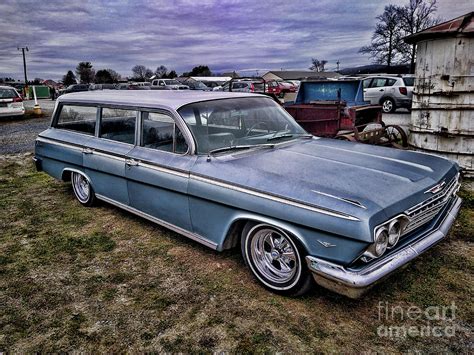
(86, 74)
(396, 22)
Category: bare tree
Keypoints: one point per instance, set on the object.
(141, 73)
(318, 65)
(415, 17)
(161, 71)
(114, 75)
(387, 38)
(85, 72)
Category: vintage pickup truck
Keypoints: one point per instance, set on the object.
(235, 169)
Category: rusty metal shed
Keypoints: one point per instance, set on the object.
(442, 119)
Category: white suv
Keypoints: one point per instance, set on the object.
(11, 103)
(391, 92)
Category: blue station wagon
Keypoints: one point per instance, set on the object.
(235, 169)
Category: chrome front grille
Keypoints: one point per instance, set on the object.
(425, 211)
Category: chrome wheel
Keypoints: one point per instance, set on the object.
(274, 256)
(82, 188)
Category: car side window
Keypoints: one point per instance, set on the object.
(378, 82)
(77, 118)
(118, 125)
(159, 131)
(390, 82)
(366, 83)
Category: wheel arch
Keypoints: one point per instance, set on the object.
(237, 224)
(67, 172)
(387, 97)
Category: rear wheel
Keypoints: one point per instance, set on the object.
(388, 105)
(275, 259)
(82, 189)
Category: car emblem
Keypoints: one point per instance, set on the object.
(436, 188)
(326, 244)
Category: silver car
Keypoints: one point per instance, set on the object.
(11, 103)
(392, 92)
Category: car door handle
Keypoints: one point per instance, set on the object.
(381, 90)
(87, 151)
(131, 162)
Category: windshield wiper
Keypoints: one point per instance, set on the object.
(239, 147)
(288, 135)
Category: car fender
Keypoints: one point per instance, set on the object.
(232, 237)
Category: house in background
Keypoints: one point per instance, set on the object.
(299, 75)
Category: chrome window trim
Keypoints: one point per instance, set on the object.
(196, 237)
(172, 113)
(57, 111)
(169, 114)
(118, 107)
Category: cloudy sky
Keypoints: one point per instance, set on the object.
(227, 35)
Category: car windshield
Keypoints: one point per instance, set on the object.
(409, 81)
(172, 82)
(7, 93)
(239, 122)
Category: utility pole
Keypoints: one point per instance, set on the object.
(24, 67)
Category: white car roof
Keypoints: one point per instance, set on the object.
(165, 99)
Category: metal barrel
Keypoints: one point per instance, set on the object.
(442, 118)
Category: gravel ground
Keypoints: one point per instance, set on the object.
(19, 136)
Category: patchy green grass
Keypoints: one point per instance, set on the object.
(100, 279)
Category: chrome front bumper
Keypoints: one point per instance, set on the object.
(353, 283)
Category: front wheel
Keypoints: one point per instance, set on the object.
(275, 259)
(82, 189)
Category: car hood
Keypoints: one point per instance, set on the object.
(353, 178)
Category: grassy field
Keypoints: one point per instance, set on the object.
(97, 279)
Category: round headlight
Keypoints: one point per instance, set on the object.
(381, 242)
(394, 231)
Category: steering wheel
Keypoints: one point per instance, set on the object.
(255, 125)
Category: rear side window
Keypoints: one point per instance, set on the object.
(8, 94)
(160, 132)
(390, 82)
(118, 125)
(409, 81)
(77, 118)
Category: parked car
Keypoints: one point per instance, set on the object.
(75, 88)
(242, 85)
(139, 86)
(11, 103)
(197, 85)
(391, 92)
(280, 87)
(102, 87)
(168, 84)
(235, 169)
